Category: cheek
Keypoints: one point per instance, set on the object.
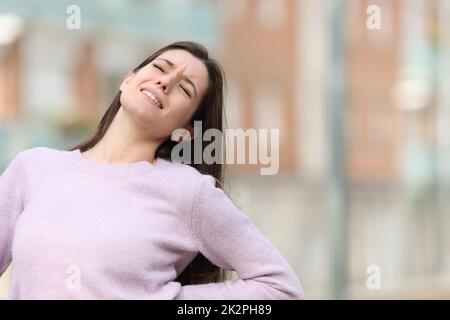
(132, 98)
(127, 95)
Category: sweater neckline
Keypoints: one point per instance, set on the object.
(138, 167)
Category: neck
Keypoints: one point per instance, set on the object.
(123, 143)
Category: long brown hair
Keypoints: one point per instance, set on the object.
(211, 114)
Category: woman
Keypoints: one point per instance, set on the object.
(115, 218)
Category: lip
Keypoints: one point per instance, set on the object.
(155, 95)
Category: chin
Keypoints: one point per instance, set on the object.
(134, 107)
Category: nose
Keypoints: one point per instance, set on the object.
(165, 83)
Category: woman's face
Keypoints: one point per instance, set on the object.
(177, 80)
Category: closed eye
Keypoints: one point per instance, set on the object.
(184, 89)
(161, 69)
(158, 67)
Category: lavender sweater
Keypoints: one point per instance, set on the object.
(77, 229)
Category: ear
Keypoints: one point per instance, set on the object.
(127, 78)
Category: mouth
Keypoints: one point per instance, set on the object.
(150, 97)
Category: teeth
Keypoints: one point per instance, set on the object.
(151, 96)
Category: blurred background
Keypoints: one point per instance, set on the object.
(359, 90)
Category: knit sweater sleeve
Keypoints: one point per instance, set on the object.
(10, 208)
(229, 239)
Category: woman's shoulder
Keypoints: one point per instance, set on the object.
(36, 153)
(40, 157)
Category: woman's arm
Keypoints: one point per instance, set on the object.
(229, 239)
(10, 208)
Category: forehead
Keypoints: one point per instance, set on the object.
(193, 67)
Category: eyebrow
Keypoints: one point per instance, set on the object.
(170, 63)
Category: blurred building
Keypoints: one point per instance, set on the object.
(280, 62)
(279, 57)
